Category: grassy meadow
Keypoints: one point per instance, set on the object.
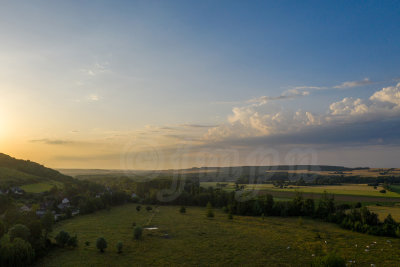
(194, 239)
(41, 187)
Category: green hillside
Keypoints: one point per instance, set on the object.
(15, 172)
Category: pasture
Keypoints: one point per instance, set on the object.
(194, 239)
(40, 187)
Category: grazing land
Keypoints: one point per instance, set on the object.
(41, 187)
(194, 239)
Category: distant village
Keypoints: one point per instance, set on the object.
(60, 210)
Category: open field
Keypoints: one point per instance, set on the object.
(194, 239)
(41, 187)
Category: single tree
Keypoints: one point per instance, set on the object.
(47, 222)
(120, 245)
(138, 207)
(2, 229)
(182, 209)
(230, 216)
(17, 253)
(101, 244)
(137, 232)
(19, 230)
(210, 212)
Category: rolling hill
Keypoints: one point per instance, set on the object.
(16, 172)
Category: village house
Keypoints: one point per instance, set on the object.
(15, 190)
(64, 204)
(25, 208)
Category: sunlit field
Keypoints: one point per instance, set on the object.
(40, 187)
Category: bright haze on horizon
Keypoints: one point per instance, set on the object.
(176, 84)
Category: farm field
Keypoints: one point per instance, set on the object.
(40, 187)
(193, 239)
(372, 172)
(345, 189)
(384, 211)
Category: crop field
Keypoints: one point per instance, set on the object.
(194, 239)
(345, 189)
(41, 187)
(384, 211)
(373, 172)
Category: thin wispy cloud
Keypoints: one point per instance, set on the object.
(197, 125)
(93, 98)
(52, 141)
(351, 84)
(96, 69)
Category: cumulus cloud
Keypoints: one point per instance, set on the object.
(249, 121)
(389, 94)
(351, 84)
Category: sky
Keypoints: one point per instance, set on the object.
(179, 84)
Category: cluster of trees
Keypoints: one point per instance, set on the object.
(23, 238)
(243, 203)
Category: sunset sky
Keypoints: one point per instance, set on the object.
(176, 84)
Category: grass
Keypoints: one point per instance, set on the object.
(194, 239)
(41, 187)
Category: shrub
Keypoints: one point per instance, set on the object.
(230, 216)
(383, 191)
(138, 207)
(101, 244)
(182, 209)
(120, 245)
(87, 243)
(62, 238)
(73, 241)
(330, 260)
(137, 232)
(148, 208)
